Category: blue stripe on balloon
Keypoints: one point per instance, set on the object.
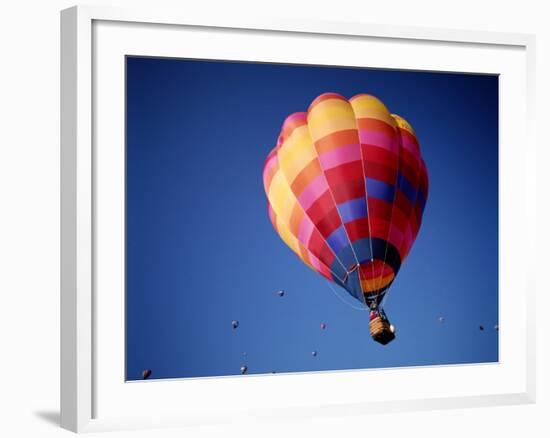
(359, 252)
(353, 210)
(407, 188)
(362, 249)
(353, 285)
(346, 256)
(338, 239)
(338, 271)
(380, 190)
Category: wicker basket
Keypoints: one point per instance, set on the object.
(380, 330)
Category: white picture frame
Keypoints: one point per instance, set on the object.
(94, 395)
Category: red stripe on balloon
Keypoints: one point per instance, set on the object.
(368, 124)
(325, 96)
(348, 190)
(380, 172)
(358, 229)
(320, 207)
(377, 155)
(335, 139)
(344, 173)
(329, 222)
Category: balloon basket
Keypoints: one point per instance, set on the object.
(380, 330)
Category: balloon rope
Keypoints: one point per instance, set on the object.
(385, 297)
(362, 308)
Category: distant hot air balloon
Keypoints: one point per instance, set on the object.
(347, 186)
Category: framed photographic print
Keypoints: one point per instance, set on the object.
(252, 209)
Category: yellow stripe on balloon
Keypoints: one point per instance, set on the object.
(329, 108)
(283, 203)
(280, 197)
(367, 106)
(296, 152)
(292, 242)
(287, 236)
(330, 116)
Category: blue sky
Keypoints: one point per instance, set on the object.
(201, 251)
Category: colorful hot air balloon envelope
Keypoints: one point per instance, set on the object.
(347, 187)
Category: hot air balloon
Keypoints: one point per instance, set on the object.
(346, 187)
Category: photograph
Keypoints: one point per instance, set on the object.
(274, 219)
(292, 218)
